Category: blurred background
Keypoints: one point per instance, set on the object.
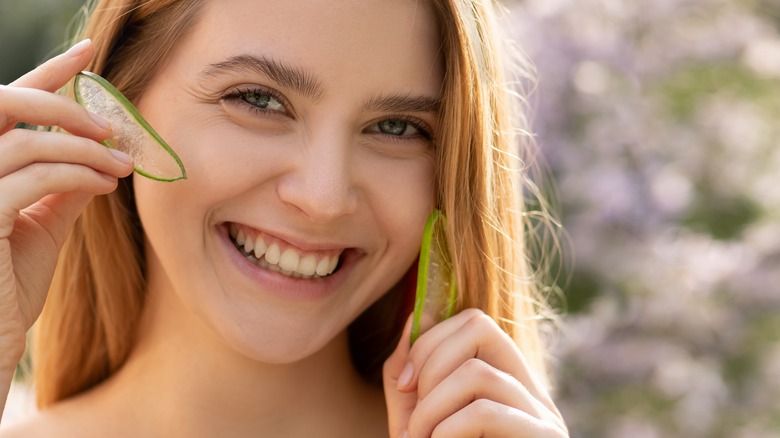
(657, 118)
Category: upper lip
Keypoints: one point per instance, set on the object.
(303, 244)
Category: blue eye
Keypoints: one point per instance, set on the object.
(262, 100)
(396, 127)
(401, 128)
(258, 99)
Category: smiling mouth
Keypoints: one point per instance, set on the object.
(276, 256)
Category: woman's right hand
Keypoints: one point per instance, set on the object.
(46, 180)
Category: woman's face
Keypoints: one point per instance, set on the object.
(305, 128)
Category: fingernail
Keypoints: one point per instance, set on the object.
(405, 434)
(79, 47)
(121, 156)
(100, 121)
(406, 376)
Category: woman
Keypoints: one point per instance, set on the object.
(313, 132)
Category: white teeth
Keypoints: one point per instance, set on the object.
(289, 260)
(249, 245)
(323, 266)
(273, 254)
(260, 247)
(308, 265)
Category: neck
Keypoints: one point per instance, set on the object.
(190, 383)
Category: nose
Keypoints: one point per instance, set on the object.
(320, 184)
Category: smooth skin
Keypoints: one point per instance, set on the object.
(224, 352)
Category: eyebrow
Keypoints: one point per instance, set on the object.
(305, 84)
(285, 75)
(403, 104)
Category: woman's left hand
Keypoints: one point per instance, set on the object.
(465, 377)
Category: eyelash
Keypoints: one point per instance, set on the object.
(238, 96)
(422, 128)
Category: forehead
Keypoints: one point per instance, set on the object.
(341, 41)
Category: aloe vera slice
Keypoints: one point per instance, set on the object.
(133, 135)
(436, 286)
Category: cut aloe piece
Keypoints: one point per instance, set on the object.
(132, 134)
(436, 286)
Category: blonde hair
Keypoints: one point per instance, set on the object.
(88, 325)
(485, 162)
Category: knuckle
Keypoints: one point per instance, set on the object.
(476, 367)
(483, 409)
(481, 323)
(16, 144)
(7, 121)
(483, 373)
(472, 312)
(15, 137)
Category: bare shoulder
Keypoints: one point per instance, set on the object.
(62, 420)
(39, 424)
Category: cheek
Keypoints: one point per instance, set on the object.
(174, 214)
(221, 162)
(401, 196)
(209, 151)
(407, 205)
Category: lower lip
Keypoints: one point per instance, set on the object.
(283, 285)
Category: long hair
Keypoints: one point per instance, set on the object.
(486, 168)
(88, 326)
(501, 229)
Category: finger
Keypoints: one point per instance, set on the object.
(473, 380)
(37, 107)
(474, 335)
(56, 72)
(57, 213)
(488, 419)
(20, 148)
(400, 404)
(431, 339)
(23, 188)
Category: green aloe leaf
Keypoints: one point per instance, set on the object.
(132, 134)
(437, 288)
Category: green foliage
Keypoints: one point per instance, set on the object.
(685, 89)
(720, 216)
(584, 287)
(32, 31)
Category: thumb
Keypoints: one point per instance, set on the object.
(400, 404)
